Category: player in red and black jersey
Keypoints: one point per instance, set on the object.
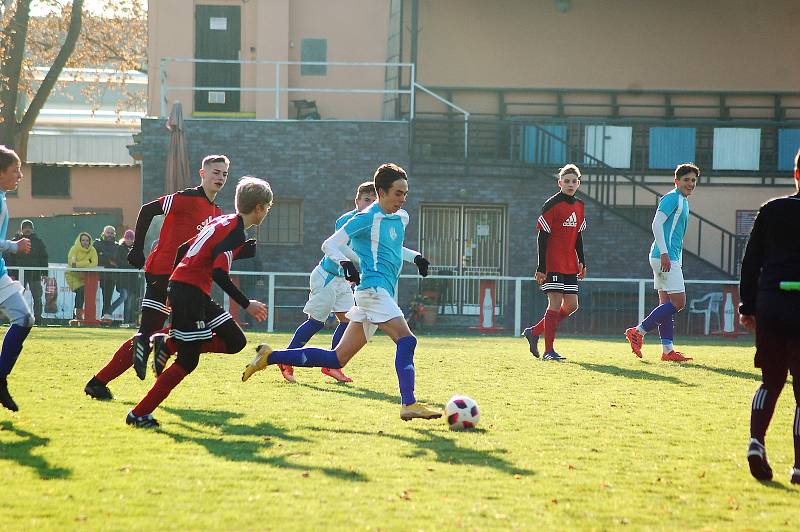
(561, 259)
(204, 259)
(185, 214)
(227, 336)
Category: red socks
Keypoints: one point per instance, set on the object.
(119, 363)
(551, 319)
(164, 384)
(538, 329)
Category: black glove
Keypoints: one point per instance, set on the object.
(422, 265)
(350, 272)
(136, 258)
(248, 250)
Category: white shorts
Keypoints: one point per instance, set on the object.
(670, 282)
(336, 296)
(373, 306)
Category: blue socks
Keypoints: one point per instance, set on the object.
(306, 357)
(303, 334)
(338, 333)
(404, 364)
(666, 330)
(12, 347)
(660, 314)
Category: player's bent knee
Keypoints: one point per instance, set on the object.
(25, 320)
(188, 361)
(409, 342)
(235, 342)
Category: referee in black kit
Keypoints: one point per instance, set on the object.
(770, 305)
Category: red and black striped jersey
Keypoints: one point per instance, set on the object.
(214, 247)
(562, 218)
(186, 213)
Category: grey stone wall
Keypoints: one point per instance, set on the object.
(321, 162)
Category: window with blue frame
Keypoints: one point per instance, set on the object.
(544, 144)
(671, 146)
(788, 144)
(609, 144)
(736, 148)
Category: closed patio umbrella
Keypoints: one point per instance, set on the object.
(177, 175)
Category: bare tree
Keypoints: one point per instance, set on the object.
(65, 36)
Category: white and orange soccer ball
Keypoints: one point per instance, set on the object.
(462, 412)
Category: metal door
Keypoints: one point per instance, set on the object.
(464, 240)
(217, 36)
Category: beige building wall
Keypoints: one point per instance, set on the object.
(272, 30)
(610, 44)
(101, 188)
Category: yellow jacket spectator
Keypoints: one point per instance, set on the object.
(81, 255)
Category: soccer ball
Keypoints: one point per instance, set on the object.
(462, 412)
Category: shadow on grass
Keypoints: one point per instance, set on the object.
(356, 392)
(237, 442)
(638, 374)
(774, 485)
(360, 393)
(21, 452)
(445, 449)
(728, 372)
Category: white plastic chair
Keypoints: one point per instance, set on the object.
(707, 305)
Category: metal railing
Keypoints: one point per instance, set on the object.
(624, 193)
(506, 141)
(636, 202)
(607, 306)
(280, 85)
(636, 104)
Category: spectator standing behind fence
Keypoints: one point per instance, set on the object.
(129, 282)
(108, 257)
(37, 258)
(81, 255)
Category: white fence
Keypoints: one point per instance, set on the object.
(606, 304)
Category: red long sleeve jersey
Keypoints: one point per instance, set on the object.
(562, 218)
(185, 214)
(214, 247)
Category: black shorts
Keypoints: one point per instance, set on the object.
(155, 293)
(194, 314)
(566, 283)
(778, 330)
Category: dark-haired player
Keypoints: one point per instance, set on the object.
(666, 259)
(330, 292)
(772, 257)
(376, 236)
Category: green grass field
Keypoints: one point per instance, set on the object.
(599, 442)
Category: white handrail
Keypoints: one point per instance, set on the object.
(273, 286)
(454, 106)
(277, 88)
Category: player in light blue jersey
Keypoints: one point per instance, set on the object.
(666, 259)
(330, 292)
(11, 300)
(376, 236)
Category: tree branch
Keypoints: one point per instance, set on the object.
(14, 36)
(75, 21)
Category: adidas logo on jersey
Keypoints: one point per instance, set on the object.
(571, 221)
